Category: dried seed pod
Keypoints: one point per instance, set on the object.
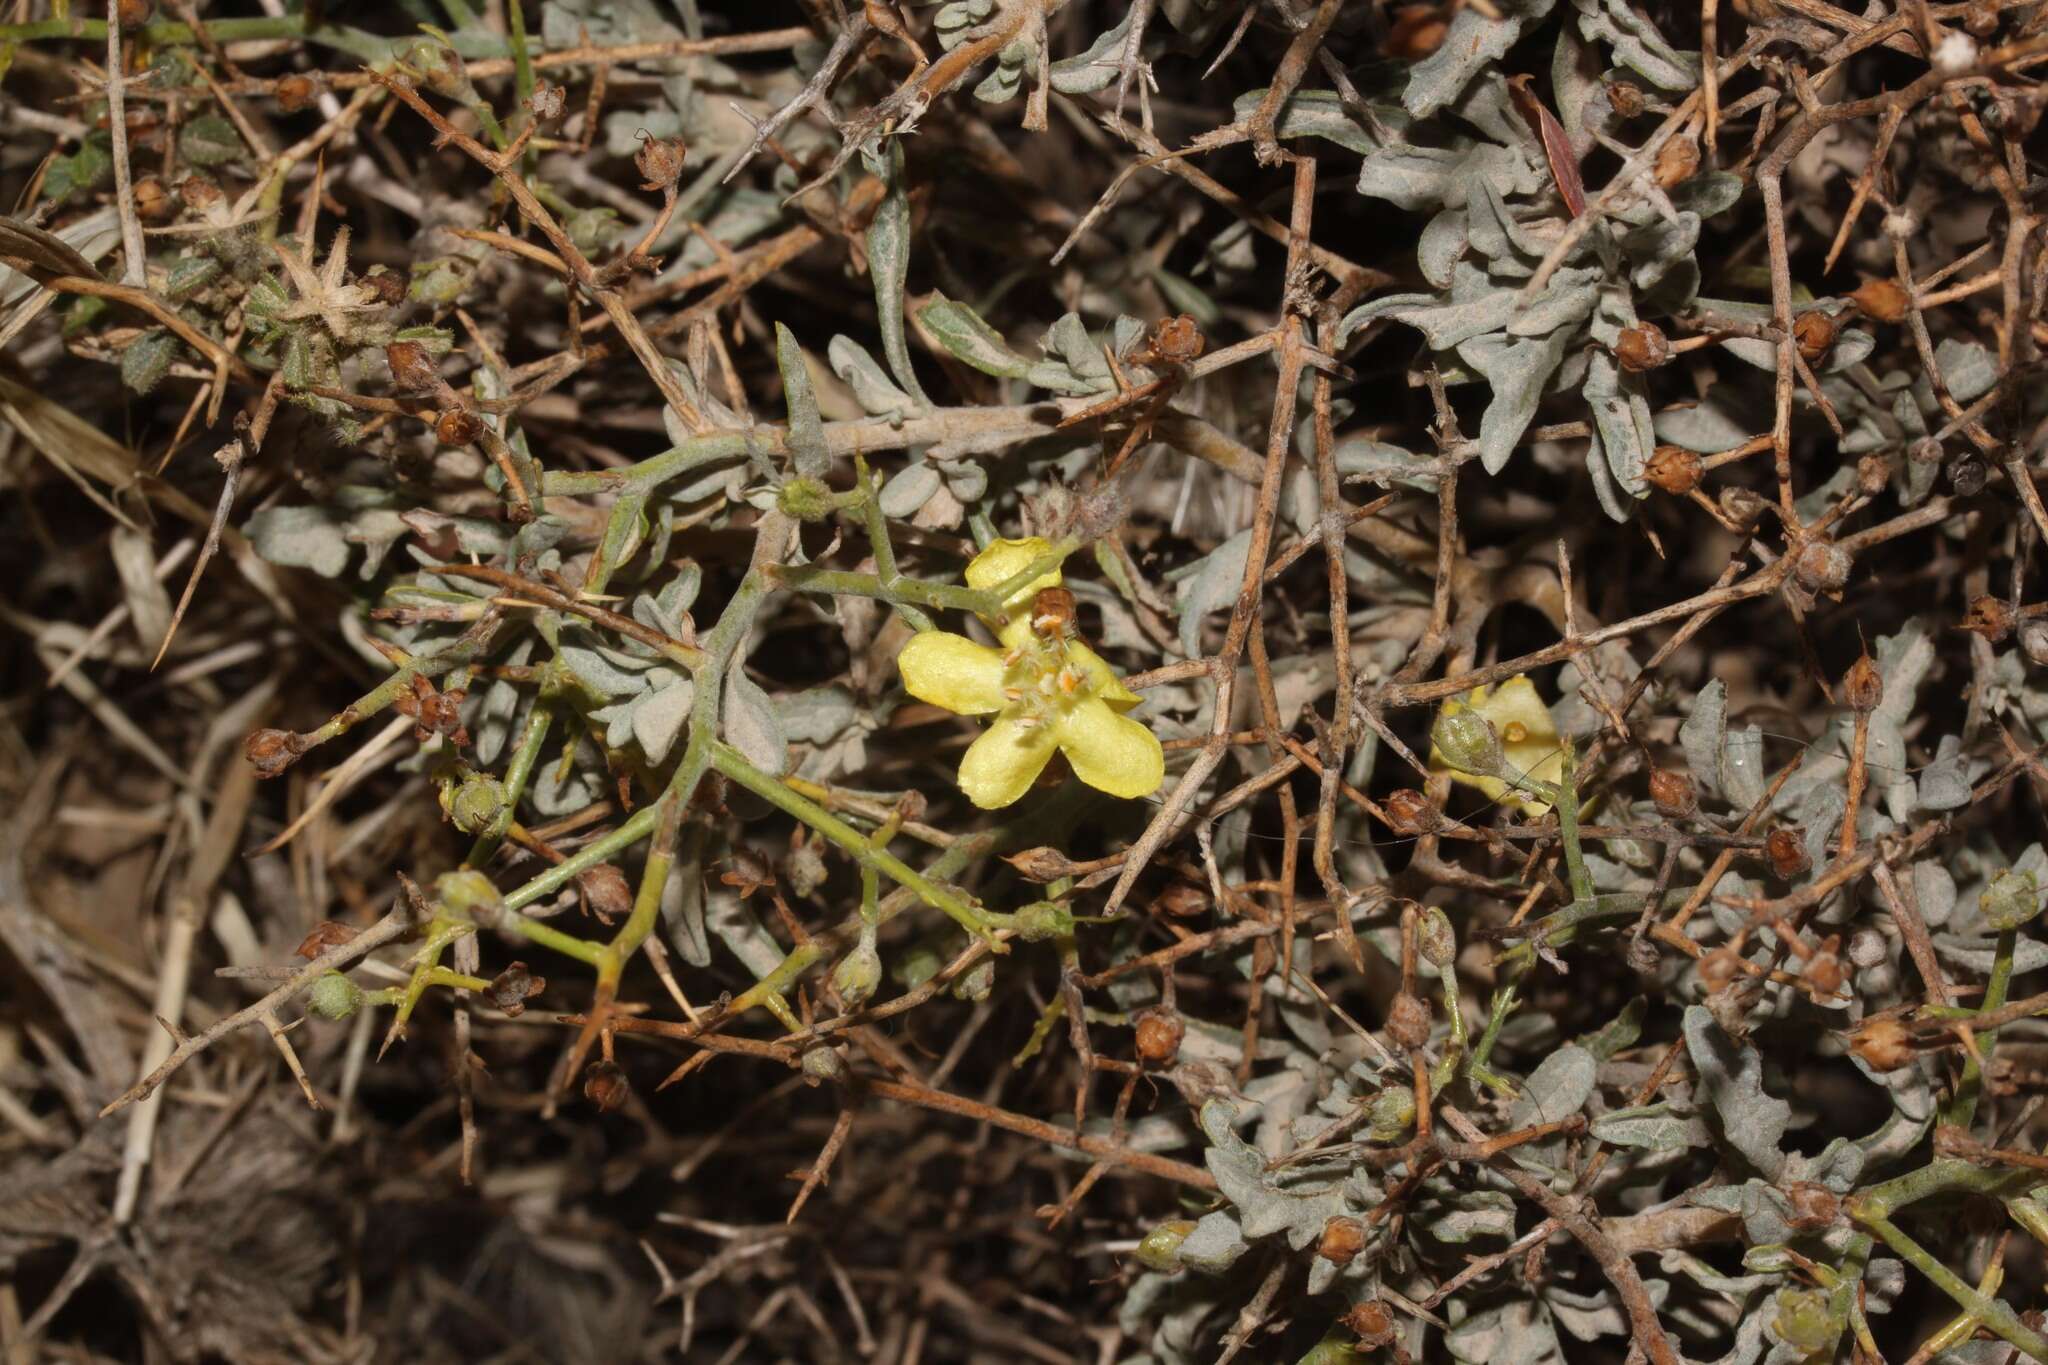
(1042, 864)
(823, 1064)
(1863, 686)
(547, 101)
(1882, 1043)
(1674, 469)
(198, 192)
(1624, 98)
(512, 988)
(1882, 300)
(660, 162)
(1417, 31)
(1968, 477)
(1408, 1022)
(1643, 957)
(605, 1085)
(1718, 969)
(1824, 970)
(385, 285)
(605, 892)
(1372, 1324)
(270, 752)
(458, 427)
(1343, 1238)
(1177, 340)
(1052, 613)
(1642, 347)
(1674, 793)
(296, 92)
(153, 203)
(412, 367)
(1786, 848)
(1742, 506)
(1159, 1031)
(1411, 813)
(1814, 1206)
(1435, 939)
(1873, 472)
(1677, 160)
(1182, 900)
(326, 934)
(1990, 617)
(1823, 565)
(857, 974)
(1814, 333)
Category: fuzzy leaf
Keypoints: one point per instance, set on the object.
(1731, 1082)
(962, 332)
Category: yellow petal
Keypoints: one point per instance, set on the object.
(1004, 560)
(1111, 753)
(1001, 765)
(1528, 737)
(1102, 680)
(952, 671)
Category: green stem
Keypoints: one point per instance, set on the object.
(1962, 1106)
(635, 828)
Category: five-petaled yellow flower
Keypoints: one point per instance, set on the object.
(1045, 690)
(1528, 737)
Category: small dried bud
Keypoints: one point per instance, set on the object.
(1881, 300)
(857, 974)
(1182, 900)
(1882, 1043)
(976, 983)
(2012, 899)
(1043, 921)
(1867, 948)
(1786, 848)
(660, 161)
(1718, 969)
(1643, 957)
(458, 427)
(153, 203)
(605, 1085)
(1814, 333)
(1863, 686)
(474, 803)
(1042, 864)
(385, 286)
(1990, 617)
(198, 192)
(1466, 740)
(1814, 1206)
(2034, 641)
(1742, 506)
(296, 92)
(1674, 469)
(1873, 472)
(1676, 161)
(132, 14)
(326, 934)
(412, 367)
(511, 988)
(1417, 31)
(1435, 939)
(1673, 793)
(1177, 340)
(1410, 812)
(1408, 1022)
(1823, 566)
(1159, 1031)
(605, 892)
(1642, 347)
(1824, 971)
(1926, 450)
(1371, 1323)
(270, 752)
(1343, 1238)
(1159, 1249)
(1624, 98)
(823, 1064)
(1968, 477)
(547, 101)
(334, 996)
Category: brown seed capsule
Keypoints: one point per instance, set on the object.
(1674, 469)
(1814, 1206)
(1717, 969)
(153, 203)
(132, 14)
(1643, 957)
(1624, 98)
(1182, 900)
(1408, 1022)
(1041, 864)
(1882, 1043)
(547, 101)
(1968, 477)
(511, 988)
(1676, 162)
(412, 367)
(1371, 1322)
(1343, 1238)
(1673, 792)
(1814, 333)
(1642, 347)
(1881, 300)
(661, 162)
(1823, 566)
(1742, 506)
(1417, 31)
(198, 192)
(1411, 813)
(605, 1085)
(386, 286)
(605, 892)
(1863, 686)
(1177, 340)
(1990, 617)
(458, 427)
(296, 92)
(1824, 971)
(270, 752)
(326, 934)
(1786, 848)
(1160, 1031)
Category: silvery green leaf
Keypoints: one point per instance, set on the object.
(1126, 332)
(1743, 779)
(1267, 1202)
(908, 489)
(1067, 341)
(965, 480)
(658, 717)
(1653, 1128)
(1442, 177)
(1976, 954)
(1707, 193)
(1851, 348)
(752, 725)
(1001, 84)
(888, 249)
(872, 388)
(1637, 44)
(1968, 369)
(1517, 1333)
(1518, 371)
(1215, 1244)
(1489, 229)
(1564, 303)
(1320, 113)
(1386, 465)
(1057, 378)
(1706, 426)
(817, 714)
(1622, 416)
(617, 720)
(1473, 43)
(1557, 1089)
(1213, 585)
(1839, 1166)
(1186, 296)
(1086, 72)
(1458, 1216)
(301, 538)
(1589, 1316)
(1444, 240)
(1618, 1033)
(1731, 1083)
(1701, 734)
(1760, 1207)
(968, 339)
(1658, 245)
(806, 428)
(602, 676)
(555, 794)
(1936, 891)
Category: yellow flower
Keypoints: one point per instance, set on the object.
(1528, 737)
(1047, 692)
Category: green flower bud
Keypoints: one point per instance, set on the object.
(858, 973)
(1160, 1249)
(1468, 743)
(805, 499)
(1391, 1114)
(1044, 920)
(1803, 1320)
(475, 802)
(465, 893)
(1437, 941)
(334, 996)
(2011, 900)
